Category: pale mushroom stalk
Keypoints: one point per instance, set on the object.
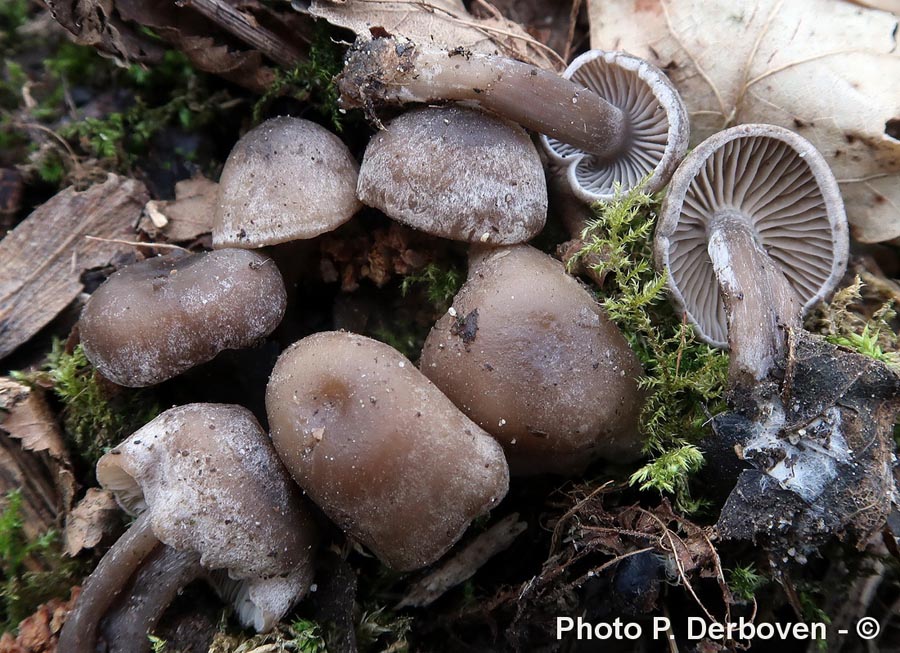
(759, 301)
(387, 71)
(137, 553)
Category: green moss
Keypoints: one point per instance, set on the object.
(301, 636)
(48, 574)
(744, 582)
(441, 283)
(96, 414)
(312, 81)
(684, 378)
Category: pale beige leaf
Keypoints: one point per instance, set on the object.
(826, 69)
(438, 22)
(185, 218)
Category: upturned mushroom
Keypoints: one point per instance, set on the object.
(286, 179)
(752, 232)
(655, 127)
(378, 447)
(528, 354)
(211, 495)
(153, 320)
(457, 173)
(621, 120)
(746, 189)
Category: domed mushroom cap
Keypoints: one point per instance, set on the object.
(529, 355)
(776, 183)
(286, 179)
(657, 132)
(456, 173)
(378, 447)
(211, 483)
(153, 320)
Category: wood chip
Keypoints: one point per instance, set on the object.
(43, 258)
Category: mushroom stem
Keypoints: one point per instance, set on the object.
(163, 575)
(759, 302)
(386, 71)
(99, 592)
(150, 572)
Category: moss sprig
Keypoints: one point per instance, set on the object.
(684, 378)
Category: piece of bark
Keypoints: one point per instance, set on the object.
(43, 258)
(185, 218)
(96, 516)
(33, 458)
(464, 564)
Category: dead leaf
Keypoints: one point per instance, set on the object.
(43, 258)
(445, 23)
(96, 516)
(187, 217)
(822, 68)
(39, 633)
(33, 458)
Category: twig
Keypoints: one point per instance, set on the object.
(133, 243)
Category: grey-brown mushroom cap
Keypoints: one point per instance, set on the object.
(782, 186)
(528, 354)
(212, 484)
(379, 448)
(286, 179)
(457, 173)
(153, 320)
(659, 129)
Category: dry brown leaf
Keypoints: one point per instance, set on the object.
(439, 22)
(43, 258)
(185, 218)
(33, 458)
(96, 516)
(823, 68)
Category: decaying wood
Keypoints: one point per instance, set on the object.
(465, 563)
(42, 259)
(33, 458)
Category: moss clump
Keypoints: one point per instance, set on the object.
(31, 572)
(311, 82)
(96, 414)
(301, 636)
(440, 282)
(684, 377)
(744, 582)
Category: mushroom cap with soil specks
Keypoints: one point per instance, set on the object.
(656, 127)
(211, 483)
(779, 187)
(378, 447)
(286, 179)
(153, 320)
(457, 173)
(529, 356)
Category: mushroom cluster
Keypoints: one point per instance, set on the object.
(524, 374)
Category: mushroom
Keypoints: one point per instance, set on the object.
(628, 124)
(755, 214)
(378, 447)
(153, 320)
(286, 179)
(211, 495)
(746, 192)
(528, 354)
(655, 122)
(457, 173)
